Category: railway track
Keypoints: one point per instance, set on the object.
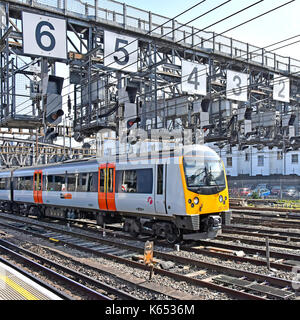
(261, 232)
(237, 283)
(22, 255)
(274, 219)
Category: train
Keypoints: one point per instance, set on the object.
(181, 194)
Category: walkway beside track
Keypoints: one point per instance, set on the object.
(16, 286)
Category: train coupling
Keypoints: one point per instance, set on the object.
(214, 223)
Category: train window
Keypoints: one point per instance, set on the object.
(27, 183)
(82, 185)
(144, 180)
(93, 182)
(102, 180)
(45, 182)
(4, 183)
(23, 183)
(129, 183)
(37, 182)
(119, 179)
(50, 183)
(110, 182)
(160, 178)
(71, 181)
(59, 182)
(134, 181)
(15, 183)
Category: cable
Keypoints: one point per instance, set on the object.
(149, 32)
(197, 31)
(161, 88)
(154, 40)
(217, 23)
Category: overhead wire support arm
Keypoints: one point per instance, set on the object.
(4, 38)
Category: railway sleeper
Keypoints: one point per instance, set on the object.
(254, 286)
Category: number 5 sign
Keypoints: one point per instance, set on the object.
(120, 52)
(44, 36)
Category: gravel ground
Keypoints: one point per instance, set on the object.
(35, 244)
(199, 292)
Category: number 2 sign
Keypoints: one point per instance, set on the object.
(44, 36)
(281, 88)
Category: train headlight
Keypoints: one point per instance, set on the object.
(221, 198)
(196, 200)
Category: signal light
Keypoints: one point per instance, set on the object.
(292, 120)
(248, 113)
(50, 135)
(131, 122)
(205, 105)
(55, 115)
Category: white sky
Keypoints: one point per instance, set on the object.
(275, 26)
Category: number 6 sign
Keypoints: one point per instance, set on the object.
(44, 36)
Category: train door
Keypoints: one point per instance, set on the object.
(111, 187)
(37, 186)
(160, 189)
(106, 187)
(101, 187)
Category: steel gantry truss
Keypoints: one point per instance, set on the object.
(22, 152)
(103, 96)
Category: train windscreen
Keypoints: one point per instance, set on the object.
(204, 175)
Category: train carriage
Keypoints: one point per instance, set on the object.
(182, 194)
(5, 189)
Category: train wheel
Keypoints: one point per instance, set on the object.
(173, 235)
(15, 208)
(133, 226)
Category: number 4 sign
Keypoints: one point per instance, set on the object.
(44, 36)
(193, 78)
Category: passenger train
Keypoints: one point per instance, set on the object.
(181, 194)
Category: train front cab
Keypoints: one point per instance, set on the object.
(205, 195)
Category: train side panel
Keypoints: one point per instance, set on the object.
(79, 200)
(21, 192)
(175, 200)
(5, 192)
(134, 188)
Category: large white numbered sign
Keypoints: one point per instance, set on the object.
(237, 86)
(44, 36)
(120, 52)
(281, 88)
(193, 78)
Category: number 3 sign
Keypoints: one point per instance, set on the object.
(44, 36)
(237, 86)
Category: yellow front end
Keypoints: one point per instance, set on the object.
(204, 204)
